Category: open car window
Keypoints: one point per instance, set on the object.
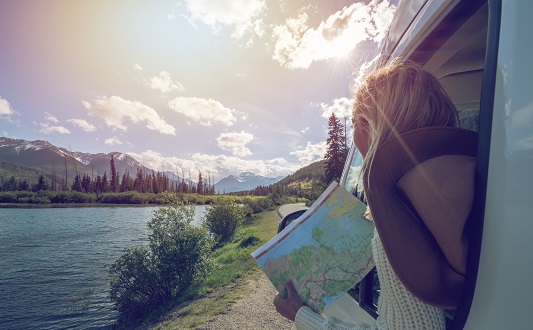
(352, 179)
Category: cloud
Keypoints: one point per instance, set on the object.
(50, 125)
(219, 166)
(235, 142)
(5, 108)
(112, 141)
(242, 15)
(224, 165)
(163, 83)
(520, 120)
(115, 109)
(296, 45)
(311, 153)
(526, 143)
(137, 68)
(341, 107)
(48, 129)
(203, 111)
(364, 70)
(523, 118)
(305, 130)
(51, 118)
(6, 111)
(82, 124)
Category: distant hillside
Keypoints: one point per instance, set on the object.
(314, 171)
(28, 159)
(8, 170)
(244, 181)
(307, 182)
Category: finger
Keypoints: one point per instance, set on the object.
(278, 303)
(282, 291)
(291, 290)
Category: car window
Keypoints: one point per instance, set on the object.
(352, 179)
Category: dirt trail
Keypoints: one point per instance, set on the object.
(253, 311)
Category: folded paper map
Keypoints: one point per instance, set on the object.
(325, 252)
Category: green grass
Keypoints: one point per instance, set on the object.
(227, 282)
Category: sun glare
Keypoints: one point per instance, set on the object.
(339, 49)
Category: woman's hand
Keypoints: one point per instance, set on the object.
(288, 307)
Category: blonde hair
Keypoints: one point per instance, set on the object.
(397, 98)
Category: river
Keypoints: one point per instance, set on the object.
(54, 263)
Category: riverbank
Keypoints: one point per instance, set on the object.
(237, 295)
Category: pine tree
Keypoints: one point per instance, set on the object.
(113, 182)
(23, 185)
(200, 187)
(337, 149)
(138, 182)
(41, 185)
(105, 183)
(86, 184)
(127, 182)
(76, 185)
(98, 185)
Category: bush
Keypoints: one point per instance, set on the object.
(78, 197)
(223, 219)
(8, 197)
(180, 250)
(250, 240)
(178, 254)
(39, 200)
(253, 204)
(133, 283)
(61, 197)
(247, 211)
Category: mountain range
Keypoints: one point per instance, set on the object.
(28, 159)
(244, 181)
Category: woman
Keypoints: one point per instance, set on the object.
(414, 161)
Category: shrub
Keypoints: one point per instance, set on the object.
(180, 250)
(133, 283)
(253, 204)
(178, 254)
(247, 211)
(39, 200)
(223, 219)
(137, 198)
(250, 240)
(8, 197)
(61, 197)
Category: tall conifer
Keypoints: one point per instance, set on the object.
(337, 149)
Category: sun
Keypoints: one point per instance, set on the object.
(339, 49)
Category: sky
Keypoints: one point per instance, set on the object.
(221, 87)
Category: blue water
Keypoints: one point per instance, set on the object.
(54, 264)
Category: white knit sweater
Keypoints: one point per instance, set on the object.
(397, 307)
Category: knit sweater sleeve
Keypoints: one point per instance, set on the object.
(397, 307)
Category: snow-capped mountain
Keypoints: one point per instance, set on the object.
(244, 181)
(48, 158)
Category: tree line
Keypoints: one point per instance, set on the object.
(142, 182)
(306, 183)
